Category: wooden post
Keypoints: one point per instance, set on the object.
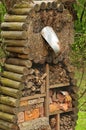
(58, 122)
(47, 92)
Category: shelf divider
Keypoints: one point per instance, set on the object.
(47, 92)
(59, 85)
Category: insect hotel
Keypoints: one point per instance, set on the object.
(37, 85)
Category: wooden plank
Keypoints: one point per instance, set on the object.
(59, 85)
(32, 97)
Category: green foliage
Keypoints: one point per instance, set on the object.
(81, 124)
(78, 48)
(2, 11)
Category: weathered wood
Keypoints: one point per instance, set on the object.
(47, 92)
(8, 117)
(15, 18)
(9, 101)
(17, 69)
(7, 125)
(9, 109)
(19, 11)
(14, 76)
(11, 83)
(18, 61)
(15, 43)
(10, 92)
(20, 50)
(15, 26)
(32, 97)
(14, 34)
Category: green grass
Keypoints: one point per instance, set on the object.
(81, 123)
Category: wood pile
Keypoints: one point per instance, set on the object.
(25, 82)
(66, 122)
(58, 74)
